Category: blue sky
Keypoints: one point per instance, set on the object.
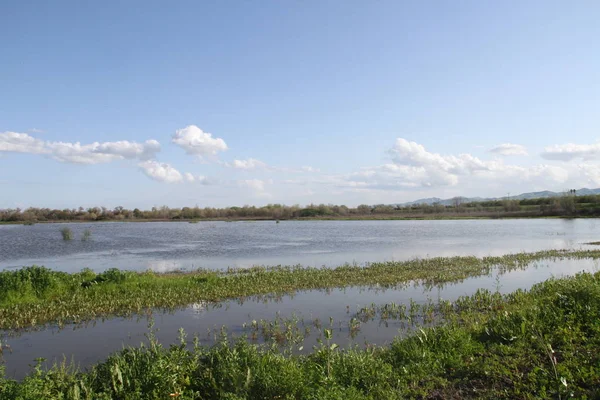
(305, 101)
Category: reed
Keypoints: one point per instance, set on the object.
(87, 235)
(66, 233)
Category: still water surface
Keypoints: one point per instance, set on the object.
(163, 246)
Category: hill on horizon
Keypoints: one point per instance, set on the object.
(522, 196)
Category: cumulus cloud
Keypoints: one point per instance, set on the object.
(94, 153)
(202, 180)
(197, 142)
(509, 149)
(189, 177)
(248, 164)
(161, 172)
(412, 160)
(571, 151)
(413, 166)
(414, 154)
(21, 143)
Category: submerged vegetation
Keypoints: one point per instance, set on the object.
(537, 344)
(34, 296)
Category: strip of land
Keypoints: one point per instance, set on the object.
(35, 296)
(566, 206)
(538, 344)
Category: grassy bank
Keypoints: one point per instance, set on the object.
(538, 344)
(35, 296)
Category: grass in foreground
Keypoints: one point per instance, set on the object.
(527, 345)
(35, 296)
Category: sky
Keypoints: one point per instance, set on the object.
(228, 103)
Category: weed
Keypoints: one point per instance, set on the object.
(87, 235)
(67, 233)
(36, 295)
(541, 343)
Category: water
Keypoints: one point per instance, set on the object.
(163, 246)
(167, 246)
(88, 344)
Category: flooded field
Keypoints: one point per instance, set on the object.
(166, 246)
(349, 313)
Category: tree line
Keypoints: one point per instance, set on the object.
(568, 204)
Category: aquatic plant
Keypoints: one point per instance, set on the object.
(87, 235)
(67, 233)
(541, 343)
(86, 295)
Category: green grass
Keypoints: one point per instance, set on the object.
(34, 296)
(527, 345)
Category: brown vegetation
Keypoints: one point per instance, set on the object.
(568, 205)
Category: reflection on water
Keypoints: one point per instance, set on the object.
(166, 246)
(315, 310)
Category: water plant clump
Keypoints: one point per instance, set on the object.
(87, 235)
(541, 343)
(74, 298)
(66, 233)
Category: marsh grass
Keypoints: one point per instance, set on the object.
(67, 233)
(541, 343)
(87, 235)
(35, 296)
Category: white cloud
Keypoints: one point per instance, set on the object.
(412, 162)
(97, 153)
(94, 153)
(200, 179)
(78, 154)
(413, 166)
(129, 150)
(591, 173)
(509, 149)
(161, 172)
(35, 130)
(189, 177)
(196, 142)
(257, 186)
(570, 151)
(254, 184)
(253, 164)
(542, 174)
(248, 164)
(21, 143)
(412, 153)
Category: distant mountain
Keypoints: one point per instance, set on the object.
(522, 196)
